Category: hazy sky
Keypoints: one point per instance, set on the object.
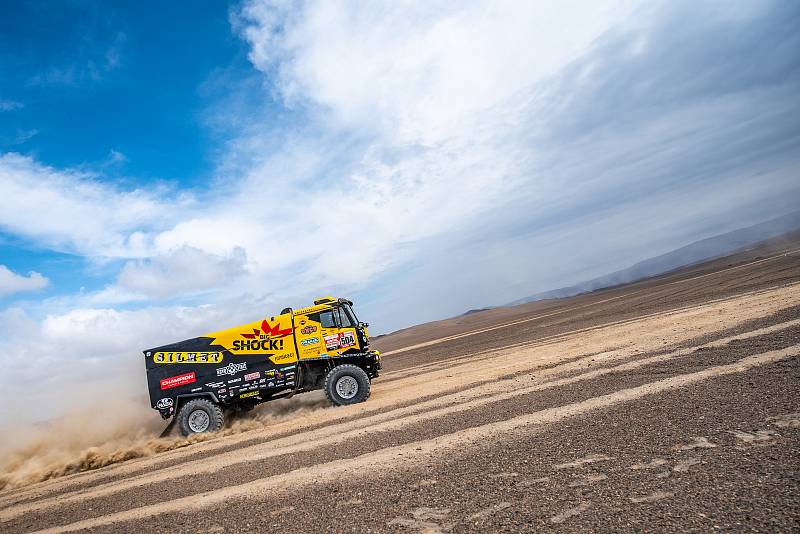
(170, 170)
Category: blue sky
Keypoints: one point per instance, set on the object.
(94, 78)
(170, 170)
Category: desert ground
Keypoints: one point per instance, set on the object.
(671, 404)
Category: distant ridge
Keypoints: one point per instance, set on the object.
(705, 249)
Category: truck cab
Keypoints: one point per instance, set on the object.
(330, 329)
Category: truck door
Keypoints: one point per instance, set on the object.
(330, 333)
(339, 332)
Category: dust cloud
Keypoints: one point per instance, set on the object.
(112, 433)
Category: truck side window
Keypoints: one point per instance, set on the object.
(326, 319)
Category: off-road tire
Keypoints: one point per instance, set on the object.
(216, 417)
(339, 372)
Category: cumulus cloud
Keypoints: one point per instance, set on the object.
(75, 211)
(402, 128)
(418, 73)
(181, 271)
(11, 282)
(405, 122)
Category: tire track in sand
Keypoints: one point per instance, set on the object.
(386, 422)
(393, 458)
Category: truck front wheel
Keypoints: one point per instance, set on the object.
(200, 415)
(346, 384)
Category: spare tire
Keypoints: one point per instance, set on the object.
(200, 415)
(346, 384)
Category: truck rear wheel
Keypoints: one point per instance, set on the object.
(200, 415)
(346, 384)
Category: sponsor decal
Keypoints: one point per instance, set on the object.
(282, 357)
(310, 329)
(195, 389)
(257, 338)
(164, 403)
(332, 342)
(257, 344)
(268, 330)
(290, 382)
(180, 380)
(232, 369)
(251, 394)
(271, 384)
(223, 390)
(252, 376)
(215, 384)
(234, 381)
(269, 374)
(187, 357)
(288, 367)
(310, 341)
(323, 354)
(347, 339)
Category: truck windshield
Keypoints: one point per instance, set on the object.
(344, 318)
(351, 312)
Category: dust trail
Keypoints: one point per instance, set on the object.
(110, 434)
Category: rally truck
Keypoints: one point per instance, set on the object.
(200, 381)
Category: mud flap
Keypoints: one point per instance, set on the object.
(167, 431)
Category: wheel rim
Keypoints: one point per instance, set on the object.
(347, 387)
(199, 421)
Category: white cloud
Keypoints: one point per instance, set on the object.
(418, 72)
(406, 129)
(182, 271)
(74, 211)
(11, 282)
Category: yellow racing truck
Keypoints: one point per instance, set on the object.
(198, 381)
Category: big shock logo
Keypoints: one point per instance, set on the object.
(263, 345)
(257, 338)
(268, 331)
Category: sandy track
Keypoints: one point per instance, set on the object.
(467, 380)
(397, 457)
(426, 414)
